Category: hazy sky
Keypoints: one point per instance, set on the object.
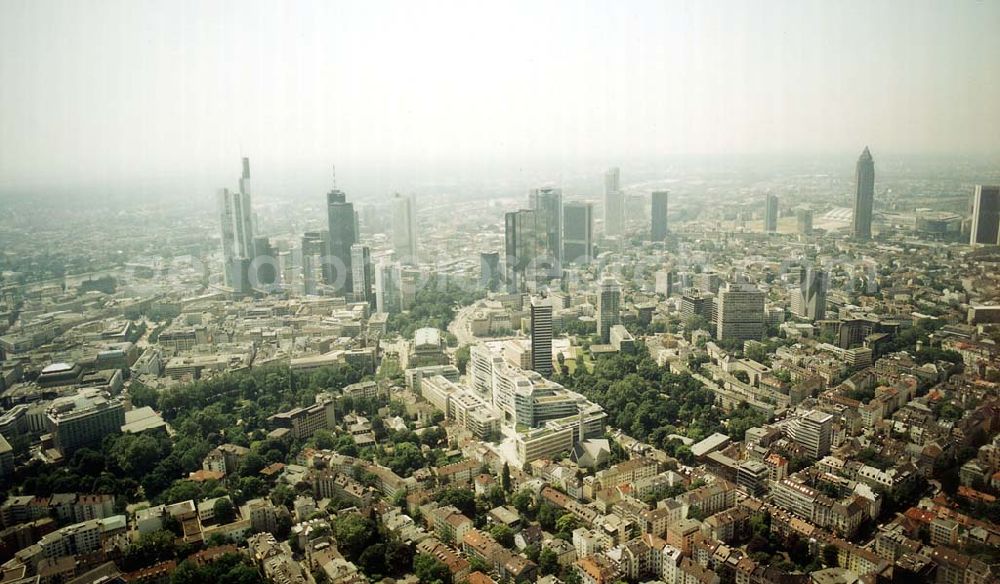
(112, 91)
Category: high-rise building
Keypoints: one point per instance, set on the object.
(809, 299)
(387, 287)
(658, 210)
(814, 432)
(609, 299)
(235, 215)
(864, 196)
(985, 216)
(314, 248)
(343, 223)
(264, 267)
(404, 228)
(363, 273)
(521, 243)
(489, 271)
(541, 337)
(548, 207)
(578, 233)
(614, 203)
(740, 313)
(771, 213)
(804, 221)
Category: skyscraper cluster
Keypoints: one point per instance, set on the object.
(236, 218)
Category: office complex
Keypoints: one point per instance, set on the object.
(813, 432)
(541, 337)
(404, 228)
(521, 244)
(388, 282)
(578, 233)
(609, 298)
(83, 419)
(864, 196)
(314, 269)
(740, 314)
(985, 228)
(658, 208)
(363, 276)
(771, 213)
(341, 236)
(614, 203)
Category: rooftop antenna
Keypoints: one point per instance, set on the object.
(334, 176)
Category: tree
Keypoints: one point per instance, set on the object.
(548, 561)
(354, 534)
(830, 555)
(503, 535)
(462, 357)
(224, 511)
(505, 478)
(462, 499)
(430, 570)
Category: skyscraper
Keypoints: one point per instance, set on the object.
(489, 271)
(314, 247)
(404, 228)
(548, 206)
(985, 216)
(363, 273)
(771, 213)
(658, 231)
(342, 235)
(740, 313)
(609, 299)
(578, 233)
(541, 337)
(521, 243)
(864, 196)
(804, 220)
(235, 216)
(809, 300)
(387, 287)
(614, 203)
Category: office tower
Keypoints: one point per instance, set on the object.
(804, 221)
(237, 228)
(814, 432)
(265, 262)
(343, 223)
(404, 228)
(609, 299)
(614, 203)
(521, 243)
(740, 313)
(387, 292)
(578, 233)
(548, 207)
(809, 299)
(771, 213)
(363, 273)
(314, 247)
(985, 216)
(541, 337)
(664, 284)
(658, 211)
(489, 271)
(864, 196)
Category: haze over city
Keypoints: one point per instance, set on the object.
(159, 96)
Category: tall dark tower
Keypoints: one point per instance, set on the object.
(658, 231)
(771, 213)
(343, 234)
(864, 197)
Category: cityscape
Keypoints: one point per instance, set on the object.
(364, 360)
